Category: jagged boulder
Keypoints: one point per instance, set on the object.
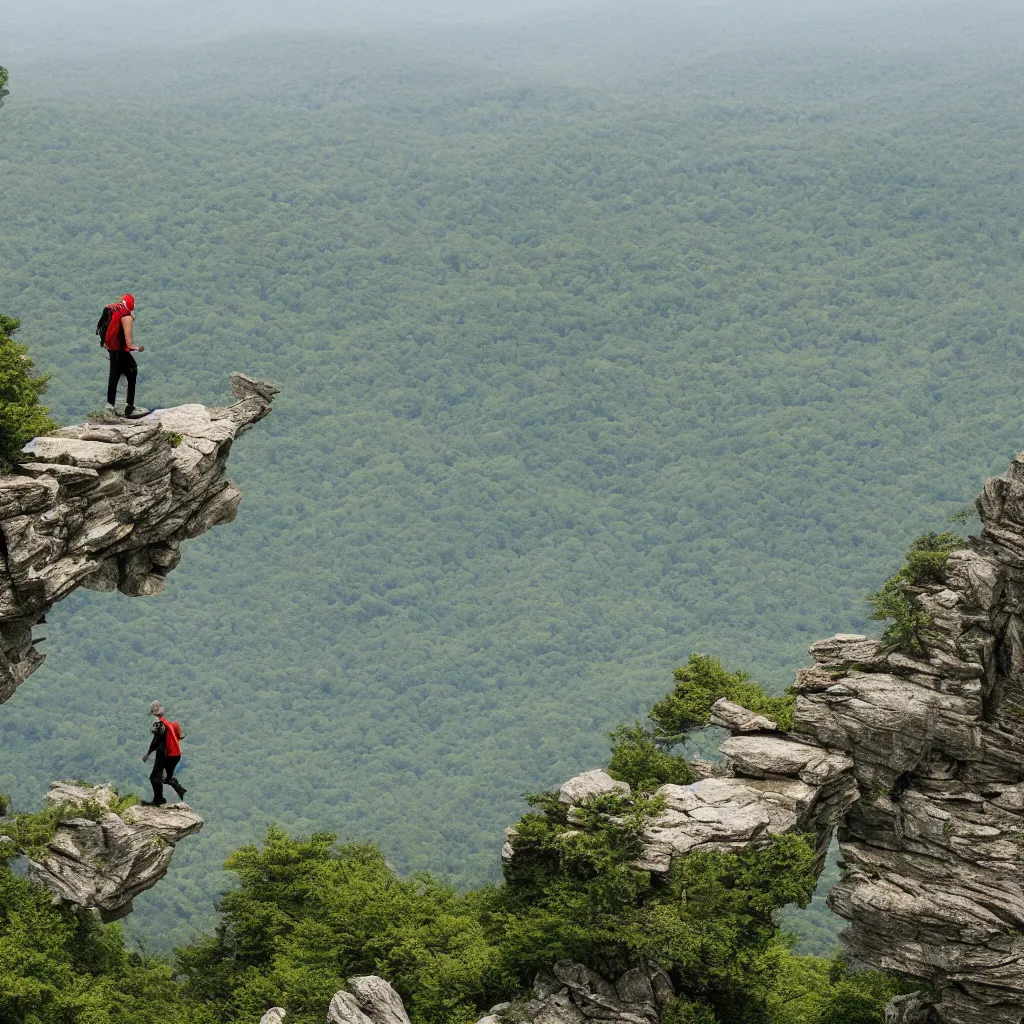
(919, 756)
(909, 1009)
(275, 1015)
(572, 994)
(106, 504)
(102, 860)
(369, 1000)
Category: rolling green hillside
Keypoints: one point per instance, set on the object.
(575, 380)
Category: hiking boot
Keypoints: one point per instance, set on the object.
(159, 803)
(135, 412)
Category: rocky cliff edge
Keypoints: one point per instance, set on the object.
(106, 504)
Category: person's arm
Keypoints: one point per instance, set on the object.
(157, 737)
(128, 323)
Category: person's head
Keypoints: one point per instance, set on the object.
(156, 709)
(129, 301)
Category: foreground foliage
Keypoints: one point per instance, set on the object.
(308, 913)
(701, 682)
(60, 967)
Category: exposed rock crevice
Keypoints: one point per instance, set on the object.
(106, 504)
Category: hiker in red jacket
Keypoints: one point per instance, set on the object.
(117, 340)
(166, 746)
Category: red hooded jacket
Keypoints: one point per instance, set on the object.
(114, 339)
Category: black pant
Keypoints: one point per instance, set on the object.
(163, 771)
(122, 364)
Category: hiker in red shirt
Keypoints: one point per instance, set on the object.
(117, 340)
(166, 746)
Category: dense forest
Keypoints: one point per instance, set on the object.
(587, 362)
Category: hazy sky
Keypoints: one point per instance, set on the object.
(30, 28)
(46, 25)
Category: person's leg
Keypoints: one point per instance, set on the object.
(172, 763)
(156, 777)
(130, 369)
(113, 377)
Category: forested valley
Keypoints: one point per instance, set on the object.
(597, 347)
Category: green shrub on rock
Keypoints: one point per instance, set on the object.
(639, 760)
(925, 562)
(21, 415)
(702, 681)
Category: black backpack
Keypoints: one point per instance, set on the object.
(104, 322)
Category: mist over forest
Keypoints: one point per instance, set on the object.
(606, 333)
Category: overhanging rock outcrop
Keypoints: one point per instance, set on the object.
(101, 860)
(106, 504)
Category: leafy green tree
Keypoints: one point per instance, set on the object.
(59, 966)
(639, 760)
(306, 916)
(21, 415)
(825, 991)
(4, 91)
(702, 681)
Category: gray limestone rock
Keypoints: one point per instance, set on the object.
(102, 860)
(590, 784)
(738, 719)
(369, 1000)
(378, 1000)
(105, 505)
(776, 785)
(275, 1015)
(573, 993)
(910, 1009)
(933, 885)
(344, 1009)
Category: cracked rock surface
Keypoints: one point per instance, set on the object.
(102, 860)
(106, 504)
(934, 849)
(572, 994)
(368, 1000)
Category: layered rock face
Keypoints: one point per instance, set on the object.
(572, 994)
(106, 504)
(934, 849)
(103, 861)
